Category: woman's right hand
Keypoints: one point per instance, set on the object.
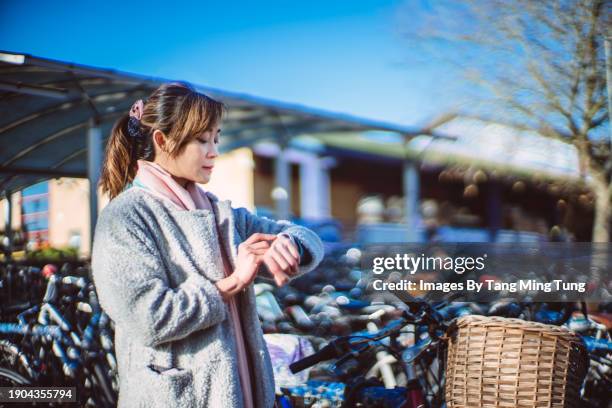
(250, 256)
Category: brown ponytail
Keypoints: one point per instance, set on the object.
(176, 109)
(118, 169)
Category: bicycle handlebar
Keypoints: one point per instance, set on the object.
(333, 349)
(340, 346)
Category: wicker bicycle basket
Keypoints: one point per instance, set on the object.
(496, 362)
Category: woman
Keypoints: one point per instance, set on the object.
(174, 266)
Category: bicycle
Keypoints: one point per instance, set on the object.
(65, 340)
(355, 355)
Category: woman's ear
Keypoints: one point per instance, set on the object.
(159, 139)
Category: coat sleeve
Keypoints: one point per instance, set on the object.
(133, 288)
(249, 224)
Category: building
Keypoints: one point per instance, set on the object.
(467, 194)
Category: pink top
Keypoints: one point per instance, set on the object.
(160, 182)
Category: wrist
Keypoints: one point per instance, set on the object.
(229, 286)
(238, 282)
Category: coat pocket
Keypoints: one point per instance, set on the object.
(170, 388)
(217, 384)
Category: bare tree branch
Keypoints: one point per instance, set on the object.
(539, 64)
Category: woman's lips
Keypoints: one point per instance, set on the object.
(209, 168)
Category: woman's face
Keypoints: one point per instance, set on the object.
(196, 160)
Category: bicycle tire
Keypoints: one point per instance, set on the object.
(11, 378)
(12, 358)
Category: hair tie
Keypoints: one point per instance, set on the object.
(136, 110)
(133, 127)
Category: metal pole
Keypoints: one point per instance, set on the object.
(494, 209)
(8, 227)
(608, 53)
(314, 183)
(325, 188)
(94, 165)
(282, 190)
(411, 196)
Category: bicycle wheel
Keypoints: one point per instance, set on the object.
(13, 360)
(10, 378)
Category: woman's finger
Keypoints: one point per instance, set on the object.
(288, 242)
(281, 279)
(293, 269)
(258, 236)
(280, 260)
(258, 251)
(260, 244)
(293, 251)
(275, 269)
(287, 255)
(286, 261)
(288, 249)
(272, 265)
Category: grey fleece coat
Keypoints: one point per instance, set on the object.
(155, 268)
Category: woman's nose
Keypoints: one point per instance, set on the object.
(213, 151)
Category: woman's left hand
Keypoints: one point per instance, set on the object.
(282, 259)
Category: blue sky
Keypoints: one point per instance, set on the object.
(344, 56)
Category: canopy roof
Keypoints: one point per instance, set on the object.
(47, 107)
(476, 143)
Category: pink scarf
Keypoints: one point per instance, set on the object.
(158, 181)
